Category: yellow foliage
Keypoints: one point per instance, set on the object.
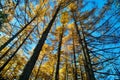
(62, 71)
(10, 17)
(45, 47)
(3, 39)
(72, 7)
(59, 30)
(43, 2)
(70, 47)
(63, 1)
(40, 11)
(47, 68)
(66, 38)
(81, 60)
(71, 26)
(27, 30)
(65, 17)
(4, 50)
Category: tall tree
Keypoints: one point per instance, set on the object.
(30, 65)
(14, 53)
(58, 54)
(75, 64)
(88, 50)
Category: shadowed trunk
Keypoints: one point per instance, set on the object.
(91, 73)
(4, 65)
(39, 68)
(87, 62)
(10, 48)
(30, 65)
(14, 36)
(58, 56)
(66, 70)
(75, 69)
(5, 71)
(81, 73)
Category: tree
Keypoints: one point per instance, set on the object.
(59, 39)
(27, 71)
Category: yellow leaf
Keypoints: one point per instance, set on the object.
(72, 7)
(65, 17)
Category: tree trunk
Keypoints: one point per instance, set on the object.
(75, 69)
(5, 71)
(4, 65)
(9, 48)
(14, 36)
(39, 68)
(58, 56)
(66, 72)
(87, 62)
(91, 73)
(81, 46)
(81, 73)
(30, 65)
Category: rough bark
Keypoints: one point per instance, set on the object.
(87, 62)
(14, 36)
(58, 56)
(30, 65)
(39, 68)
(75, 69)
(4, 65)
(9, 49)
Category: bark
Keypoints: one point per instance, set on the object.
(75, 69)
(9, 49)
(14, 36)
(81, 73)
(5, 71)
(91, 73)
(87, 62)
(39, 68)
(66, 72)
(30, 65)
(4, 65)
(81, 46)
(58, 56)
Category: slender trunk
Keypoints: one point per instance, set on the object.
(82, 48)
(66, 72)
(9, 48)
(53, 72)
(39, 68)
(14, 73)
(14, 36)
(75, 70)
(58, 56)
(91, 73)
(87, 62)
(72, 65)
(4, 65)
(81, 72)
(30, 65)
(5, 71)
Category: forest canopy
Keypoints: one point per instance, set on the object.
(59, 39)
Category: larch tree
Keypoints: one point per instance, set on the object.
(59, 39)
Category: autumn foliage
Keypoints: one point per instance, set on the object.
(59, 40)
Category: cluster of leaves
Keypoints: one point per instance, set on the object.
(59, 40)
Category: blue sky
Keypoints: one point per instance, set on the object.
(97, 4)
